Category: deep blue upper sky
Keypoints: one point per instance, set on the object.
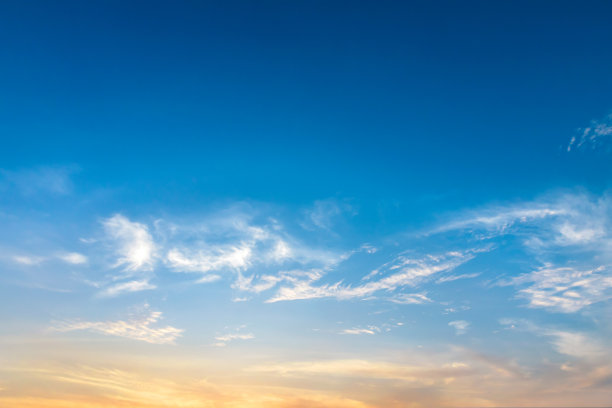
(294, 101)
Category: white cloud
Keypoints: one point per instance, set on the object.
(232, 257)
(223, 339)
(451, 278)
(570, 343)
(138, 328)
(500, 219)
(401, 272)
(28, 260)
(557, 220)
(411, 298)
(575, 344)
(281, 251)
(73, 258)
(231, 243)
(324, 213)
(565, 289)
(368, 330)
(572, 234)
(597, 133)
(572, 231)
(134, 245)
(209, 279)
(460, 326)
(127, 287)
(235, 336)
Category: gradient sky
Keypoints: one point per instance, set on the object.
(305, 204)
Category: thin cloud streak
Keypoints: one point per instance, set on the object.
(401, 272)
(595, 135)
(138, 328)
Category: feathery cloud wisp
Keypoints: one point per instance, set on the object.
(597, 133)
(138, 328)
(133, 243)
(460, 326)
(402, 271)
(565, 289)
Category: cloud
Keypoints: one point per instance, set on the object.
(223, 339)
(569, 343)
(120, 384)
(324, 213)
(233, 244)
(460, 326)
(567, 238)
(596, 134)
(28, 260)
(368, 330)
(138, 328)
(217, 258)
(133, 243)
(550, 222)
(73, 258)
(451, 278)
(564, 289)
(500, 219)
(235, 336)
(209, 279)
(127, 287)
(575, 344)
(410, 298)
(400, 272)
(55, 180)
(358, 368)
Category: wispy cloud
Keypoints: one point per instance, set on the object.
(402, 271)
(117, 383)
(596, 134)
(576, 344)
(358, 368)
(211, 259)
(223, 339)
(410, 298)
(137, 328)
(499, 219)
(28, 259)
(356, 330)
(452, 278)
(74, 258)
(55, 180)
(570, 343)
(566, 237)
(132, 242)
(460, 326)
(324, 214)
(232, 244)
(127, 287)
(564, 289)
(555, 220)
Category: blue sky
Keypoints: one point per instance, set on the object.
(269, 203)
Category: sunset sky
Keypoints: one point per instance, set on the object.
(294, 204)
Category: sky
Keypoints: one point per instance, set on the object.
(305, 204)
